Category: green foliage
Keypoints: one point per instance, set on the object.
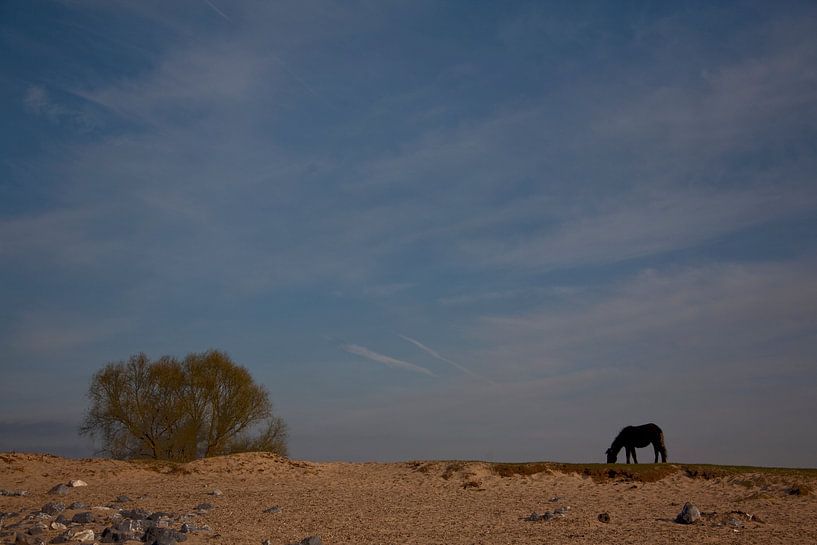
(204, 405)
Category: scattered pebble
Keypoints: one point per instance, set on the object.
(4, 492)
(122, 499)
(60, 490)
(204, 506)
(688, 515)
(85, 517)
(84, 535)
(216, 492)
(273, 509)
(604, 517)
(52, 508)
(76, 482)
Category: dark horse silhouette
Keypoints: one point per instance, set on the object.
(633, 437)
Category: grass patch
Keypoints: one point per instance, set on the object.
(648, 473)
(523, 469)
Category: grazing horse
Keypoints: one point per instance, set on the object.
(633, 437)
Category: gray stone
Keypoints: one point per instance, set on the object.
(273, 509)
(688, 515)
(5, 492)
(216, 492)
(78, 505)
(122, 499)
(84, 535)
(60, 490)
(135, 514)
(162, 536)
(112, 535)
(204, 506)
(604, 517)
(27, 539)
(52, 508)
(83, 518)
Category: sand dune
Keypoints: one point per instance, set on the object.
(418, 502)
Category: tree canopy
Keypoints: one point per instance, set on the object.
(170, 409)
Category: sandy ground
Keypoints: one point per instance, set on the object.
(414, 502)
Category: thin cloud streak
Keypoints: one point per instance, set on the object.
(364, 352)
(437, 355)
(224, 15)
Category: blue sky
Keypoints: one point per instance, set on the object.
(432, 229)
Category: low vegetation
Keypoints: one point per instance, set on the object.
(179, 410)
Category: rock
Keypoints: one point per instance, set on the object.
(688, 515)
(273, 509)
(130, 525)
(266, 542)
(62, 538)
(27, 539)
(135, 514)
(60, 490)
(83, 518)
(78, 505)
(216, 492)
(5, 492)
(112, 535)
(159, 515)
(58, 526)
(162, 536)
(76, 482)
(604, 517)
(122, 499)
(52, 508)
(204, 506)
(84, 535)
(37, 529)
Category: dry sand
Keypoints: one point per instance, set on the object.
(426, 503)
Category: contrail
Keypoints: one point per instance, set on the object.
(437, 355)
(209, 3)
(364, 352)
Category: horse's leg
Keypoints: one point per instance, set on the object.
(635, 460)
(655, 448)
(627, 453)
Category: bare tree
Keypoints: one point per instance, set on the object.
(204, 405)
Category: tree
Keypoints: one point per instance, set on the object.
(204, 405)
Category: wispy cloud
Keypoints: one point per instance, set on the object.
(437, 355)
(371, 355)
(221, 13)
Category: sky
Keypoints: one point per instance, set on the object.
(432, 230)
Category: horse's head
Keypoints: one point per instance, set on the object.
(611, 456)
